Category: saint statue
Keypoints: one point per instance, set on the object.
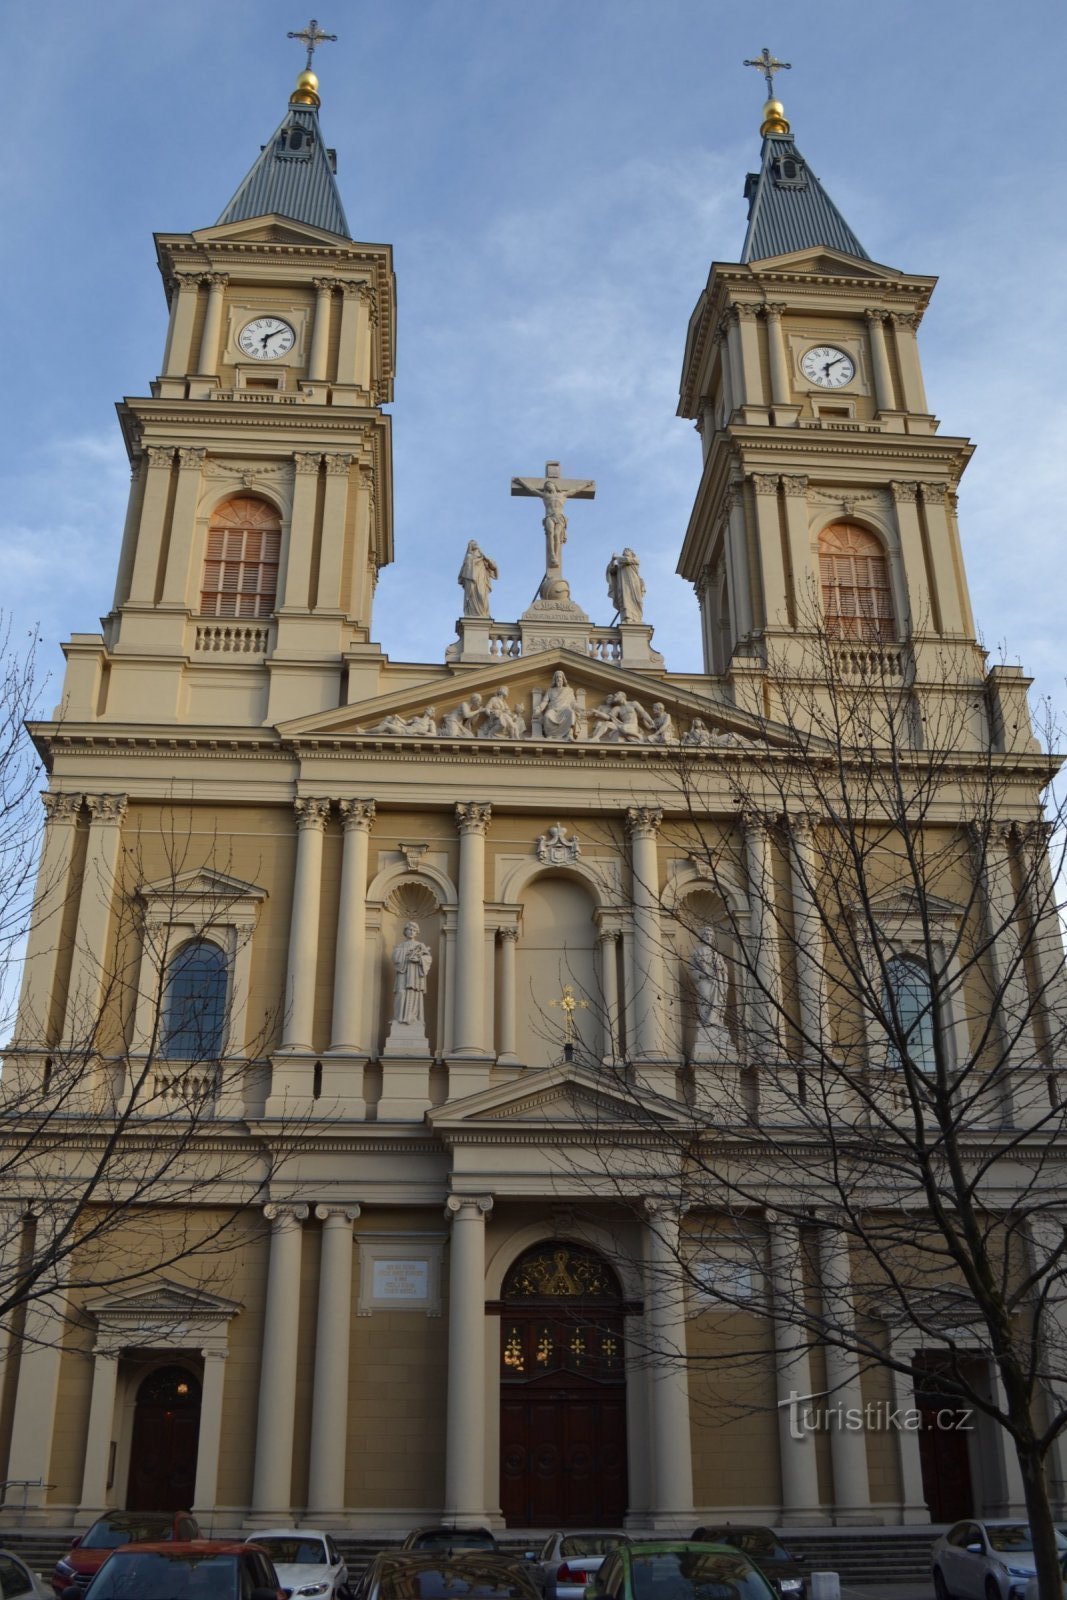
(476, 576)
(558, 709)
(707, 968)
(626, 587)
(501, 722)
(412, 961)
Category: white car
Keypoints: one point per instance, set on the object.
(988, 1560)
(20, 1582)
(571, 1560)
(307, 1562)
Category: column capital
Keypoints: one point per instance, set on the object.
(609, 935)
(755, 827)
(478, 1205)
(794, 484)
(643, 822)
(106, 807)
(904, 319)
(61, 807)
(663, 1208)
(352, 286)
(357, 815)
(209, 1353)
(774, 308)
(337, 466)
(472, 816)
(801, 824)
(328, 1213)
(933, 493)
(875, 314)
(507, 935)
(764, 482)
(904, 490)
(324, 285)
(216, 280)
(743, 313)
(160, 455)
(191, 456)
(311, 813)
(286, 1214)
(305, 465)
(187, 280)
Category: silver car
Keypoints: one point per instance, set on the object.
(571, 1560)
(992, 1559)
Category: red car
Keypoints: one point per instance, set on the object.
(90, 1550)
(195, 1569)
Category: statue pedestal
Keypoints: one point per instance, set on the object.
(405, 1084)
(636, 642)
(718, 1093)
(713, 1043)
(293, 1076)
(407, 1039)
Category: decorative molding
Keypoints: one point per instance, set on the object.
(350, 1213)
(191, 456)
(472, 816)
(795, 486)
(508, 935)
(456, 1204)
(306, 465)
(413, 854)
(357, 814)
(643, 822)
(160, 455)
(286, 1214)
(324, 285)
(934, 494)
(61, 807)
(744, 313)
(106, 807)
(555, 849)
(905, 319)
(875, 314)
(338, 466)
(187, 280)
(311, 813)
(774, 308)
(904, 490)
(764, 482)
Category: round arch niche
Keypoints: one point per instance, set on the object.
(557, 946)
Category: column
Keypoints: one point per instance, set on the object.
(50, 898)
(208, 362)
(807, 601)
(509, 938)
(1046, 1237)
(769, 545)
(671, 1447)
(912, 556)
(905, 324)
(945, 575)
(177, 582)
(781, 388)
(1047, 937)
(205, 1492)
(1011, 1473)
(150, 533)
(913, 1507)
(299, 1021)
(883, 378)
(763, 982)
(296, 580)
(320, 330)
(88, 973)
(737, 563)
(807, 935)
(329, 1404)
(609, 991)
(346, 346)
(349, 977)
(796, 1445)
(465, 1441)
(13, 1221)
(472, 818)
(100, 1431)
(41, 1344)
(848, 1448)
(332, 546)
(729, 391)
(1011, 999)
(646, 1003)
(184, 294)
(272, 1483)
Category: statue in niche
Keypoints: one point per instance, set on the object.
(425, 722)
(626, 587)
(661, 725)
(459, 722)
(501, 722)
(619, 721)
(557, 707)
(477, 575)
(412, 961)
(710, 978)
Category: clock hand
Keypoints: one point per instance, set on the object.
(834, 362)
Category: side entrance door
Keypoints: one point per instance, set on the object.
(166, 1431)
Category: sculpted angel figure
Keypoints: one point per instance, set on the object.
(626, 587)
(412, 961)
(501, 722)
(459, 722)
(558, 709)
(422, 722)
(476, 576)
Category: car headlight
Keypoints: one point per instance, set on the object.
(65, 1568)
(314, 1588)
(790, 1585)
(1019, 1572)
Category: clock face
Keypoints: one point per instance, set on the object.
(827, 366)
(266, 338)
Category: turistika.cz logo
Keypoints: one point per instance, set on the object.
(877, 1416)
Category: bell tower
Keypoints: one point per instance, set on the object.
(260, 508)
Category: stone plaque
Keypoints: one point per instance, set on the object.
(400, 1272)
(401, 1280)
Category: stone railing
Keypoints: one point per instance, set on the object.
(232, 638)
(504, 643)
(861, 660)
(604, 644)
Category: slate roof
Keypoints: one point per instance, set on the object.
(292, 178)
(789, 209)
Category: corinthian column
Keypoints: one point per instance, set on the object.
(357, 819)
(465, 1440)
(299, 1020)
(329, 1404)
(177, 583)
(208, 364)
(672, 1461)
(883, 378)
(50, 897)
(184, 293)
(272, 1481)
(332, 543)
(645, 1005)
(472, 818)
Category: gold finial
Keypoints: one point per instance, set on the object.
(774, 118)
(306, 92)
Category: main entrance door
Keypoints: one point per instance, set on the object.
(944, 1442)
(562, 1391)
(166, 1429)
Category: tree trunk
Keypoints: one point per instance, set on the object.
(1039, 1512)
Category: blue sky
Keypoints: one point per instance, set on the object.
(555, 177)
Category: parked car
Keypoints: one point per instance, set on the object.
(440, 1537)
(988, 1560)
(763, 1546)
(463, 1575)
(17, 1580)
(678, 1569)
(307, 1562)
(200, 1569)
(90, 1550)
(569, 1561)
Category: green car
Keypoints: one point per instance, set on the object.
(678, 1569)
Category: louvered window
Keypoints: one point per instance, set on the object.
(241, 560)
(856, 597)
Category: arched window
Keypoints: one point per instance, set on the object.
(194, 1003)
(241, 561)
(857, 601)
(909, 999)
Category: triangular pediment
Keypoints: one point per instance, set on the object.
(270, 229)
(161, 1301)
(202, 883)
(436, 697)
(905, 902)
(557, 1097)
(821, 259)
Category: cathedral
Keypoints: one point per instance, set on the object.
(402, 937)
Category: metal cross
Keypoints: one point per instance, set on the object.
(764, 62)
(569, 1005)
(311, 36)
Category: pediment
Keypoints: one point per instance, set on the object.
(270, 229)
(904, 903)
(202, 884)
(162, 1301)
(422, 712)
(822, 260)
(552, 1098)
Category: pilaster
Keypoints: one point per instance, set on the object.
(51, 894)
(89, 967)
(465, 1425)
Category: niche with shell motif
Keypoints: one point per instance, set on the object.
(412, 901)
(704, 908)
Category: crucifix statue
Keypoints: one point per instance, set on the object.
(554, 492)
(311, 36)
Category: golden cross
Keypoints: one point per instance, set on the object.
(311, 36)
(768, 65)
(568, 1005)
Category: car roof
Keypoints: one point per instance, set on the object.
(285, 1533)
(653, 1547)
(174, 1547)
(436, 1558)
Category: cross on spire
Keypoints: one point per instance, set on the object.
(311, 36)
(764, 62)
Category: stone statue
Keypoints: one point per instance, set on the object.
(412, 961)
(710, 979)
(626, 587)
(500, 721)
(554, 491)
(619, 721)
(477, 575)
(424, 722)
(558, 709)
(699, 734)
(459, 722)
(661, 725)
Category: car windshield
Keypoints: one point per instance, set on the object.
(1016, 1536)
(455, 1538)
(294, 1552)
(109, 1532)
(150, 1575)
(695, 1575)
(759, 1543)
(451, 1580)
(591, 1544)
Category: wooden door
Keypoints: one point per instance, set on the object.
(166, 1431)
(944, 1451)
(563, 1460)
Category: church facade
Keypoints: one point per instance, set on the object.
(424, 923)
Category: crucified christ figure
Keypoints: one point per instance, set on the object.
(554, 492)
